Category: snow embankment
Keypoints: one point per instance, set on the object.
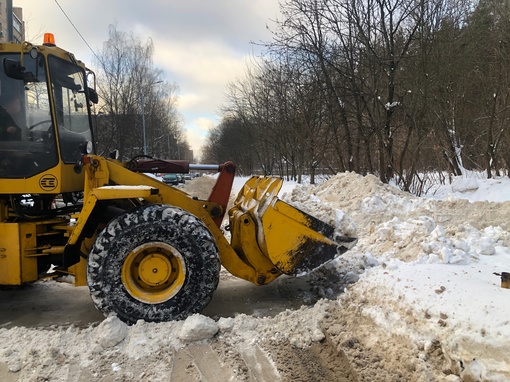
(433, 269)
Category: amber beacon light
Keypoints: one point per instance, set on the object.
(49, 39)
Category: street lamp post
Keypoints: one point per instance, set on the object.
(143, 118)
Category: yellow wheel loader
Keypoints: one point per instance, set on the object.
(146, 250)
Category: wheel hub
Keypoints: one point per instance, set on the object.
(153, 272)
(155, 269)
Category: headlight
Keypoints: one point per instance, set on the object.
(86, 147)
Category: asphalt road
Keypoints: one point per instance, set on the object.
(47, 303)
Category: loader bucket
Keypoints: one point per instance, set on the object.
(293, 241)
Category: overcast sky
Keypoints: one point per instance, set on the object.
(201, 45)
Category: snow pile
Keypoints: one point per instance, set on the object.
(474, 188)
(435, 282)
(301, 198)
(51, 354)
(300, 328)
(198, 327)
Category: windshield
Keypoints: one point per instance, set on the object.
(28, 144)
(68, 85)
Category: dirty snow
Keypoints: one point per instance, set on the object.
(423, 271)
(432, 276)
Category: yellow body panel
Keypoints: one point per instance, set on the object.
(17, 243)
(61, 178)
(80, 272)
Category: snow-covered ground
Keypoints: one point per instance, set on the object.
(432, 265)
(426, 271)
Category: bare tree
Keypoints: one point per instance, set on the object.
(127, 83)
(231, 141)
(487, 33)
(280, 108)
(390, 87)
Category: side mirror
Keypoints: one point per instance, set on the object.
(114, 154)
(93, 97)
(13, 69)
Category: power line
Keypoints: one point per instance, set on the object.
(76, 29)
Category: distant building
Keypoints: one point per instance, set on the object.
(12, 27)
(188, 155)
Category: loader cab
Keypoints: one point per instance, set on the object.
(45, 125)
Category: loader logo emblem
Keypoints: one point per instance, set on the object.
(48, 182)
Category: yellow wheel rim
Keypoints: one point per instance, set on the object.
(154, 272)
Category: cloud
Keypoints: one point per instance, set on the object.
(196, 133)
(202, 71)
(204, 124)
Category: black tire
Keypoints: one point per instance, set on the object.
(155, 263)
